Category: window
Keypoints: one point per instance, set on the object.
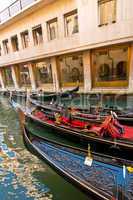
(121, 70)
(110, 67)
(44, 72)
(52, 29)
(14, 42)
(0, 50)
(6, 46)
(71, 23)
(24, 75)
(71, 69)
(37, 35)
(7, 73)
(107, 11)
(25, 39)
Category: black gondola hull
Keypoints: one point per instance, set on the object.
(106, 145)
(95, 192)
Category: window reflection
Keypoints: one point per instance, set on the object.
(14, 41)
(110, 65)
(104, 72)
(107, 11)
(24, 75)
(0, 50)
(71, 23)
(71, 69)
(25, 39)
(7, 73)
(121, 70)
(37, 35)
(6, 46)
(52, 29)
(44, 72)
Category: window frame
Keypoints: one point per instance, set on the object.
(26, 84)
(38, 79)
(49, 22)
(6, 46)
(0, 50)
(68, 84)
(23, 41)
(37, 40)
(107, 84)
(15, 44)
(71, 13)
(100, 2)
(8, 82)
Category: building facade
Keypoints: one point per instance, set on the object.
(58, 44)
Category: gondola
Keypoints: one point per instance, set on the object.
(125, 118)
(121, 146)
(104, 178)
(78, 132)
(54, 96)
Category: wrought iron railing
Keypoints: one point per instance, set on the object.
(13, 9)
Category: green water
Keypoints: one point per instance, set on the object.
(22, 175)
(123, 101)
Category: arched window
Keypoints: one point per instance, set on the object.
(75, 73)
(104, 72)
(121, 71)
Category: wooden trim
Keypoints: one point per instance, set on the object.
(75, 11)
(104, 1)
(52, 20)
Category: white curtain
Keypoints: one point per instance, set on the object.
(107, 11)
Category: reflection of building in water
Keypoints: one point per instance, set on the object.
(66, 44)
(18, 165)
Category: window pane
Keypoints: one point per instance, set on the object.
(14, 41)
(52, 29)
(71, 23)
(25, 39)
(107, 11)
(6, 46)
(8, 77)
(71, 68)
(37, 35)
(44, 72)
(24, 75)
(110, 65)
(0, 50)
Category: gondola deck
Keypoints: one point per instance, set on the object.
(81, 134)
(104, 180)
(125, 145)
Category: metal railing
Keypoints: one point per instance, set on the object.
(13, 9)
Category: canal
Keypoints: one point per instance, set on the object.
(22, 175)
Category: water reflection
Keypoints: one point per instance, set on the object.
(16, 169)
(22, 175)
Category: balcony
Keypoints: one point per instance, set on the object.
(14, 9)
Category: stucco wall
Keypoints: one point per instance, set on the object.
(89, 36)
